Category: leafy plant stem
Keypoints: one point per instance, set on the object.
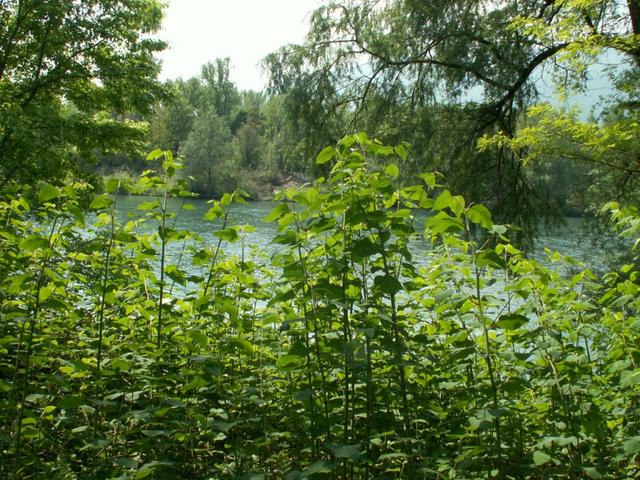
(33, 321)
(214, 261)
(398, 353)
(163, 247)
(490, 371)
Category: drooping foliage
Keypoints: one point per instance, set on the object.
(406, 68)
(340, 356)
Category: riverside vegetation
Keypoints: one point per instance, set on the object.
(338, 354)
(337, 357)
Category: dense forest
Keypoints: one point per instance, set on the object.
(340, 355)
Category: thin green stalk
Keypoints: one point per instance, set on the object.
(309, 290)
(398, 353)
(214, 261)
(163, 250)
(32, 327)
(307, 346)
(184, 245)
(368, 372)
(346, 333)
(489, 362)
(103, 296)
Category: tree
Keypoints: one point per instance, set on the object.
(208, 153)
(282, 150)
(221, 93)
(249, 142)
(66, 68)
(477, 61)
(172, 120)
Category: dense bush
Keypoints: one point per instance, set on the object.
(339, 357)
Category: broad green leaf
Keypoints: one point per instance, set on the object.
(289, 361)
(147, 206)
(101, 202)
(489, 258)
(630, 377)
(325, 155)
(48, 192)
(499, 229)
(44, 293)
(453, 203)
(364, 247)
(112, 185)
(120, 364)
(70, 402)
(176, 275)
(593, 472)
(320, 466)
(362, 138)
(228, 234)
(429, 179)
(387, 284)
(97, 444)
(288, 237)
(443, 223)
(480, 214)
(631, 445)
(126, 462)
(214, 212)
(277, 212)
(401, 151)
(226, 199)
(480, 424)
(242, 344)
(224, 426)
(443, 200)
(198, 337)
(155, 154)
(511, 321)
(149, 468)
(540, 458)
(33, 243)
(392, 170)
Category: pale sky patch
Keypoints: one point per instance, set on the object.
(199, 31)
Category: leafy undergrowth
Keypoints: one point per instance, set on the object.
(336, 358)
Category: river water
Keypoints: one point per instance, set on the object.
(568, 238)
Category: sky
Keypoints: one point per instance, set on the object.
(199, 31)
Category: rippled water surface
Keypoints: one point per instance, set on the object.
(568, 238)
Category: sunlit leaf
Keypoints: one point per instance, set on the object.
(325, 155)
(277, 212)
(480, 214)
(392, 170)
(228, 234)
(511, 321)
(48, 192)
(540, 458)
(155, 154)
(289, 361)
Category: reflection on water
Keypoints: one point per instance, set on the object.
(574, 239)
